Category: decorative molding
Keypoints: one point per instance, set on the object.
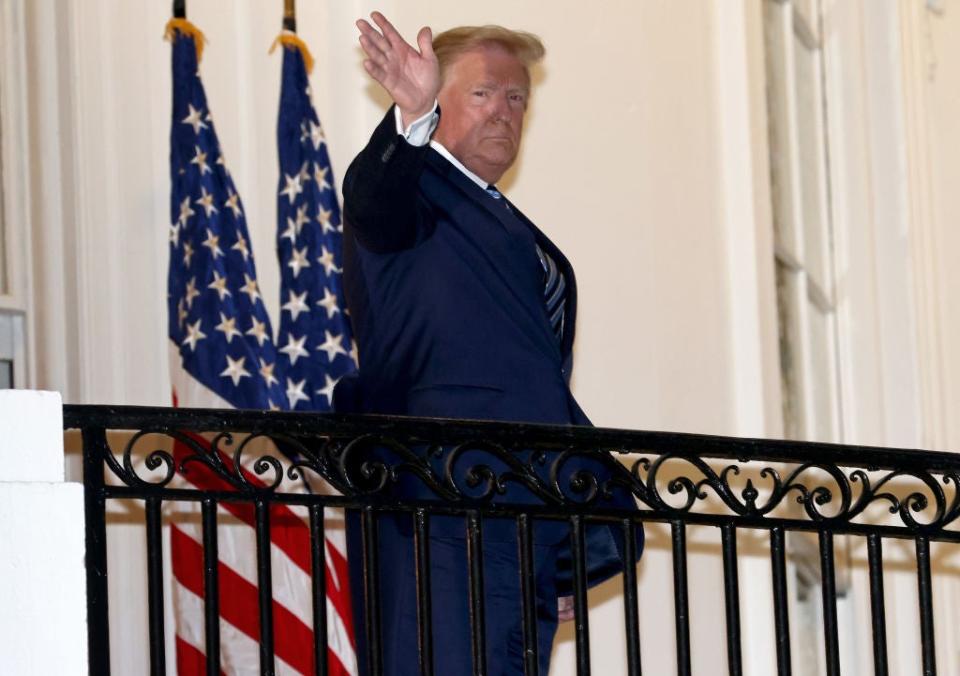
(746, 203)
(923, 225)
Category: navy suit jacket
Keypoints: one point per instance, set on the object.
(445, 291)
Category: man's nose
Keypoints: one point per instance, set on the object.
(501, 109)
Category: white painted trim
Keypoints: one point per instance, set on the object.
(45, 134)
(96, 198)
(923, 227)
(15, 175)
(745, 199)
(898, 364)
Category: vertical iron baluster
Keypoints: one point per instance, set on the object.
(371, 590)
(828, 587)
(680, 596)
(155, 587)
(925, 591)
(581, 614)
(528, 596)
(265, 587)
(318, 566)
(94, 507)
(475, 574)
(630, 610)
(211, 585)
(421, 539)
(731, 583)
(778, 563)
(875, 561)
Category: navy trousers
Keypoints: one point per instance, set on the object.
(450, 600)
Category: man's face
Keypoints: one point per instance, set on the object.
(482, 102)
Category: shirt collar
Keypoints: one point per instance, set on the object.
(436, 145)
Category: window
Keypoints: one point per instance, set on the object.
(803, 238)
(4, 283)
(804, 264)
(12, 373)
(14, 211)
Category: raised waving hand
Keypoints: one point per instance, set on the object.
(410, 77)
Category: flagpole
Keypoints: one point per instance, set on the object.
(290, 15)
(179, 9)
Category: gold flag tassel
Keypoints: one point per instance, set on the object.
(291, 41)
(185, 28)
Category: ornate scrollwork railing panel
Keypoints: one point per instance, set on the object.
(471, 465)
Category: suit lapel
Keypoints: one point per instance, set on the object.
(496, 208)
(513, 219)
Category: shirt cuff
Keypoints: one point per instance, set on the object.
(420, 130)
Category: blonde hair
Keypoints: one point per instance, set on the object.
(450, 44)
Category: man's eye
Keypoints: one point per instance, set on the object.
(480, 92)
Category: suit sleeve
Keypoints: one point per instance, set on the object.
(380, 196)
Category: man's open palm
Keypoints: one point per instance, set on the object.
(410, 77)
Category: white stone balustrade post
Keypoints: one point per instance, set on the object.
(43, 625)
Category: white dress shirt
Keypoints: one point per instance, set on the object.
(418, 133)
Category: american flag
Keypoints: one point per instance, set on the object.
(315, 338)
(223, 355)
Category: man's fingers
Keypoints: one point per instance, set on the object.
(425, 42)
(389, 32)
(375, 71)
(373, 35)
(372, 51)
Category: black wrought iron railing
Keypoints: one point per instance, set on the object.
(481, 472)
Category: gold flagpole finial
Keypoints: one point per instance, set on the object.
(290, 15)
(288, 37)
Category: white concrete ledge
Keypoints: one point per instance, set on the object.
(43, 616)
(43, 600)
(31, 436)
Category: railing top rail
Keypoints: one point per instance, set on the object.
(526, 435)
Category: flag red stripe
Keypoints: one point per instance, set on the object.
(190, 661)
(294, 542)
(334, 666)
(287, 530)
(340, 597)
(293, 640)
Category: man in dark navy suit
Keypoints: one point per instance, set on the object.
(462, 308)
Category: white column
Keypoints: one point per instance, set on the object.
(42, 583)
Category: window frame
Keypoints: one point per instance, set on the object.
(16, 299)
(800, 185)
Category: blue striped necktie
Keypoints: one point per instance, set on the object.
(554, 281)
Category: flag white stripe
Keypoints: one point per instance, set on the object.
(237, 550)
(240, 654)
(338, 640)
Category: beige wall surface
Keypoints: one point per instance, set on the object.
(619, 166)
(943, 90)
